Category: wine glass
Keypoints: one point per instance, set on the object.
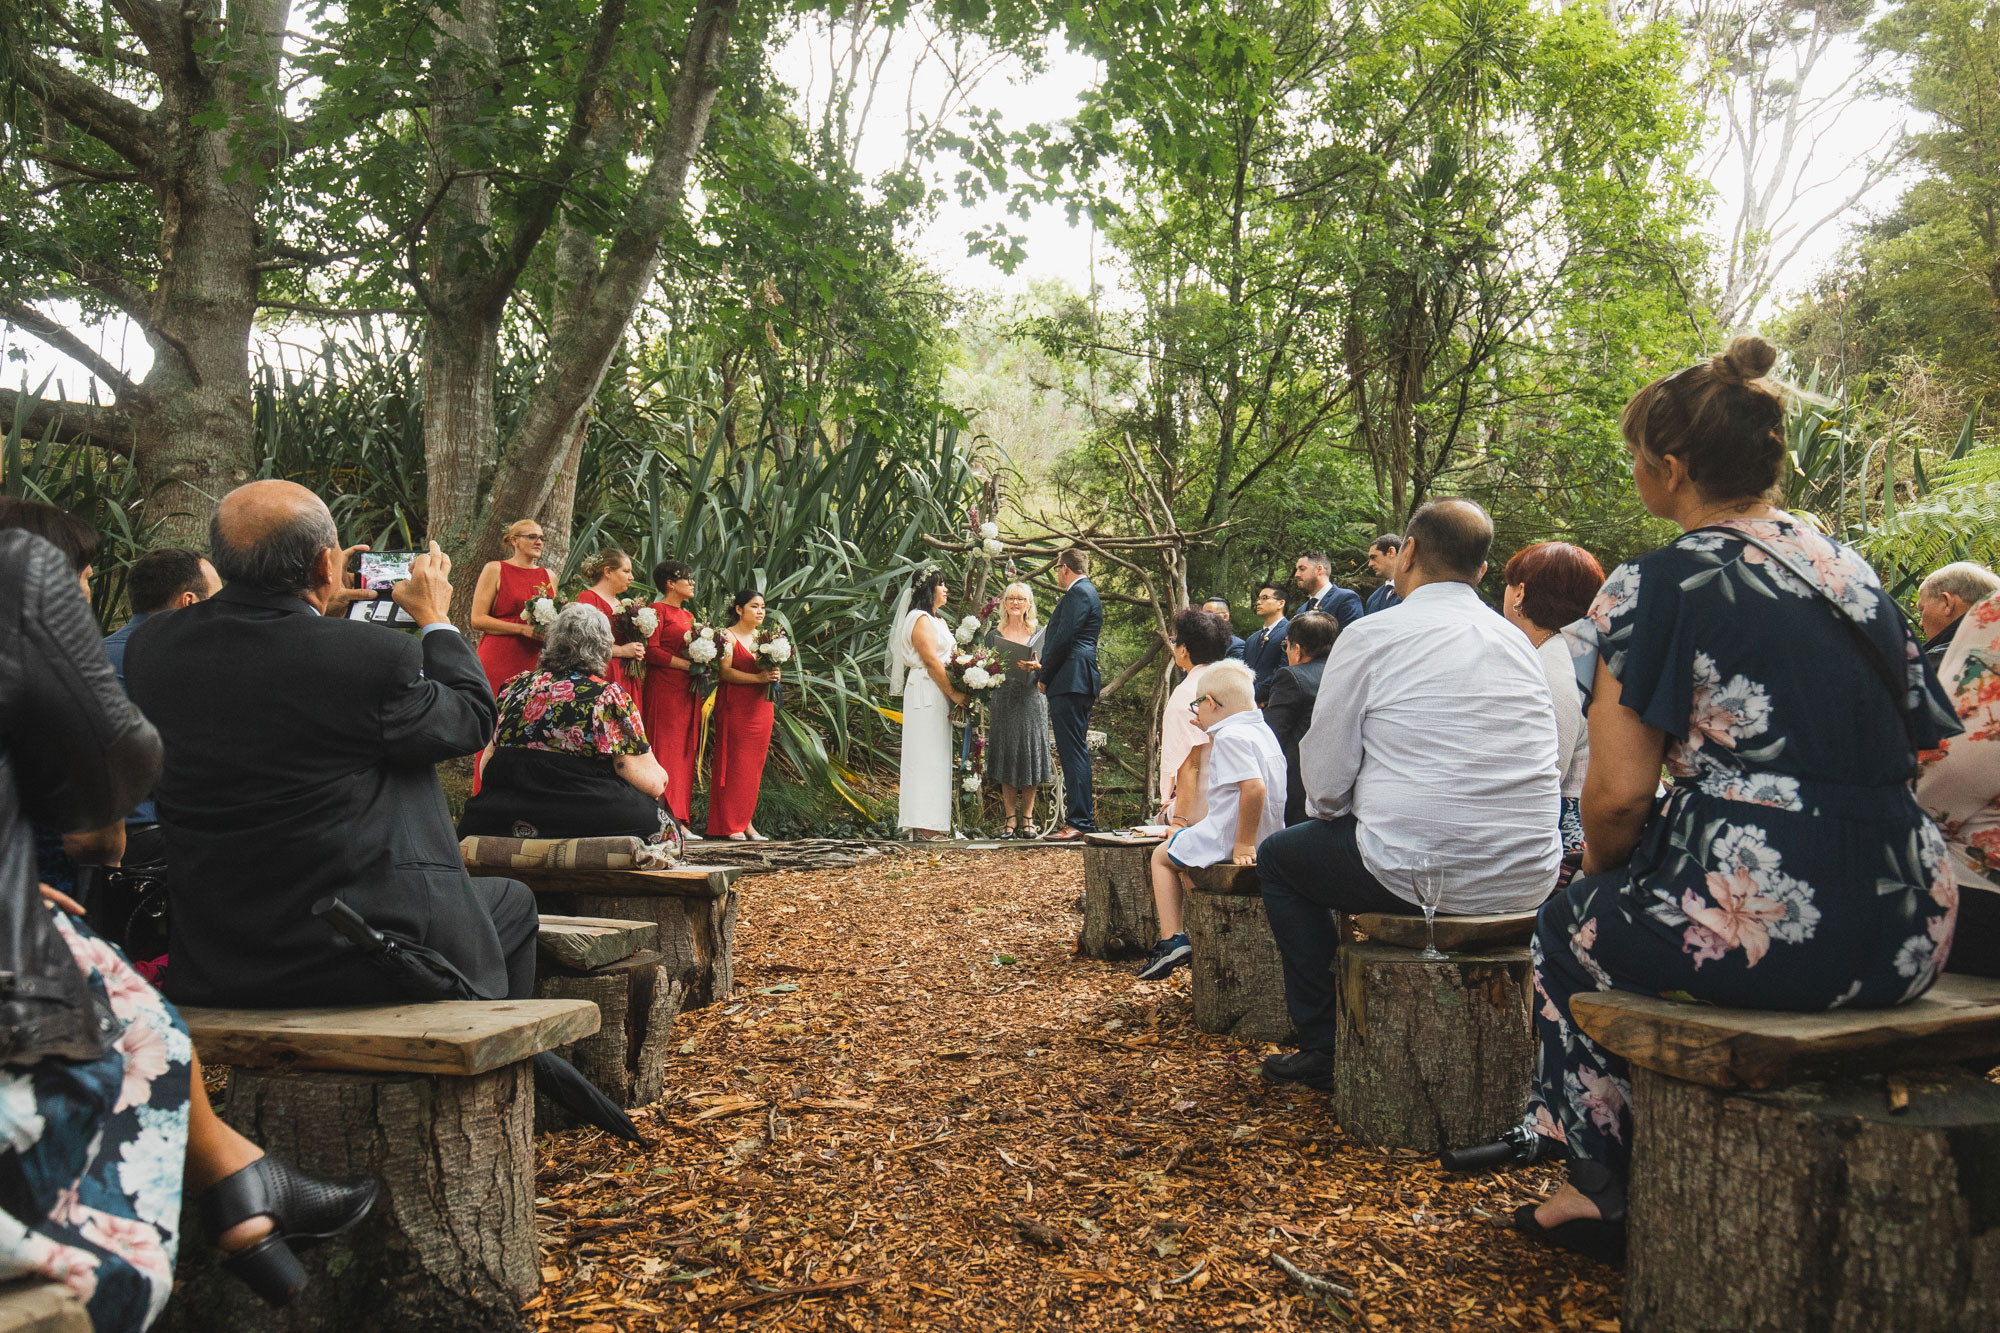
(1428, 875)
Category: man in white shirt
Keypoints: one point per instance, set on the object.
(1433, 733)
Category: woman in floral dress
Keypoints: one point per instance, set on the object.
(1788, 865)
(1961, 787)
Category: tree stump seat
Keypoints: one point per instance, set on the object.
(1433, 1054)
(435, 1101)
(1119, 920)
(1833, 1171)
(35, 1305)
(1239, 978)
(611, 964)
(692, 908)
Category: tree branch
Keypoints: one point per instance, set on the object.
(60, 338)
(96, 424)
(119, 125)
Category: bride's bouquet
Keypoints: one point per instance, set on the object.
(975, 671)
(539, 614)
(774, 649)
(704, 645)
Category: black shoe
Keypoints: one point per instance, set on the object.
(302, 1209)
(1591, 1237)
(1166, 956)
(1312, 1068)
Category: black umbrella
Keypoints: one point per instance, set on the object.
(425, 974)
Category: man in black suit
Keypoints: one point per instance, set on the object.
(299, 763)
(1311, 572)
(1382, 560)
(1069, 678)
(1294, 691)
(1264, 651)
(1219, 608)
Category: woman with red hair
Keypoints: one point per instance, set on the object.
(1550, 585)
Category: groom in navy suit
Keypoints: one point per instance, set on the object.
(1069, 678)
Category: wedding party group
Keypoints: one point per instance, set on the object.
(609, 703)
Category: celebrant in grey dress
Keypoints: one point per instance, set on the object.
(1017, 727)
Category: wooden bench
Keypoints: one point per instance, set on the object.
(434, 1100)
(693, 907)
(614, 966)
(1119, 920)
(1239, 979)
(1433, 1054)
(33, 1305)
(1838, 1172)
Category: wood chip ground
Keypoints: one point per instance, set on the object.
(919, 1111)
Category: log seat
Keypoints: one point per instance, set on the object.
(1119, 920)
(434, 1100)
(1239, 979)
(692, 908)
(1835, 1171)
(612, 964)
(1454, 934)
(34, 1305)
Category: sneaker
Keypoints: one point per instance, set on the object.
(1166, 956)
(1312, 1068)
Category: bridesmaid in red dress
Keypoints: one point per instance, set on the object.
(507, 647)
(742, 724)
(672, 713)
(610, 573)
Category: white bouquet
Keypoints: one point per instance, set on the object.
(541, 614)
(978, 678)
(968, 630)
(989, 531)
(701, 646)
(779, 649)
(994, 549)
(646, 620)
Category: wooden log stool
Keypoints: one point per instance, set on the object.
(692, 907)
(1433, 1055)
(1837, 1172)
(1239, 979)
(613, 965)
(435, 1101)
(35, 1305)
(1119, 920)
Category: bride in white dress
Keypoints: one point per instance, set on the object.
(918, 648)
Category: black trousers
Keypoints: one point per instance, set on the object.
(1975, 942)
(1309, 872)
(1069, 718)
(511, 905)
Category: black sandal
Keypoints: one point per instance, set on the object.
(302, 1209)
(1591, 1237)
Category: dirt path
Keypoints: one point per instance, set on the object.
(918, 1111)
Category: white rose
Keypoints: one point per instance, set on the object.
(646, 620)
(780, 650)
(994, 548)
(708, 632)
(701, 651)
(989, 530)
(963, 659)
(969, 625)
(963, 635)
(976, 678)
(971, 782)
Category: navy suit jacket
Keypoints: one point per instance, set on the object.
(1289, 715)
(1236, 649)
(1069, 644)
(1381, 599)
(1343, 604)
(1264, 653)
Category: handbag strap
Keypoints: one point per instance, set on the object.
(1871, 652)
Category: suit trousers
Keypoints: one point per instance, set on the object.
(1309, 872)
(1069, 718)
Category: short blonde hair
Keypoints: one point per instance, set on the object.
(1026, 592)
(1229, 685)
(513, 530)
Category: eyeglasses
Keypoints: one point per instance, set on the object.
(532, 537)
(1199, 700)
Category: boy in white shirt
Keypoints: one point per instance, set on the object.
(1246, 803)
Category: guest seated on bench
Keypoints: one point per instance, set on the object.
(1789, 866)
(1433, 733)
(299, 764)
(1550, 585)
(1200, 640)
(1960, 787)
(1246, 773)
(1294, 690)
(106, 1120)
(570, 758)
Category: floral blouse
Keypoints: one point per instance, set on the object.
(1961, 780)
(570, 714)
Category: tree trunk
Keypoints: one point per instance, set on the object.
(1239, 979)
(626, 1057)
(696, 941)
(1119, 920)
(1431, 1055)
(1818, 1206)
(450, 1245)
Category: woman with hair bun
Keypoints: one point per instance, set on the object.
(1788, 866)
(673, 714)
(508, 645)
(610, 574)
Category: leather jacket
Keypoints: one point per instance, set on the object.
(74, 755)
